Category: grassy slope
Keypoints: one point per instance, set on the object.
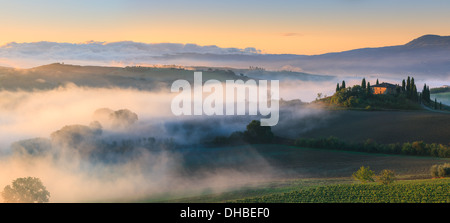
(303, 168)
(332, 190)
(383, 126)
(416, 191)
(263, 189)
(314, 168)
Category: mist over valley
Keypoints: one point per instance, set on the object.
(106, 132)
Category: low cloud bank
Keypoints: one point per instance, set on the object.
(33, 54)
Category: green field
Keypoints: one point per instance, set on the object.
(416, 191)
(255, 191)
(332, 190)
(297, 174)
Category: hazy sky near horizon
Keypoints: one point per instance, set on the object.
(297, 26)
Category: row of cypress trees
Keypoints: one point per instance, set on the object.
(363, 85)
(408, 88)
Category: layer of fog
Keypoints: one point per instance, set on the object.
(111, 144)
(37, 114)
(442, 97)
(28, 114)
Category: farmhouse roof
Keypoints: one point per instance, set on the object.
(386, 85)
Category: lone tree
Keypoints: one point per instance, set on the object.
(408, 85)
(386, 177)
(256, 133)
(364, 175)
(26, 190)
(426, 93)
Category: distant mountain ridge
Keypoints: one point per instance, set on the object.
(426, 57)
(430, 41)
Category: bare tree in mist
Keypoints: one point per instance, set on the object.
(26, 190)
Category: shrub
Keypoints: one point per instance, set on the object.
(434, 171)
(442, 170)
(364, 175)
(386, 177)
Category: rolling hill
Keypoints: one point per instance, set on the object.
(144, 78)
(381, 126)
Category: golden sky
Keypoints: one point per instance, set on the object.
(291, 27)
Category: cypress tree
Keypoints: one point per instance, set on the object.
(408, 85)
(363, 83)
(413, 89)
(337, 87)
(398, 90)
(414, 93)
(403, 86)
(343, 85)
(425, 94)
(378, 82)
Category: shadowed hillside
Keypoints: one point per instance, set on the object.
(385, 126)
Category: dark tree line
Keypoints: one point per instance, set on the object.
(417, 148)
(254, 134)
(409, 89)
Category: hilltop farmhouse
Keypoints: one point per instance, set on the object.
(383, 88)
